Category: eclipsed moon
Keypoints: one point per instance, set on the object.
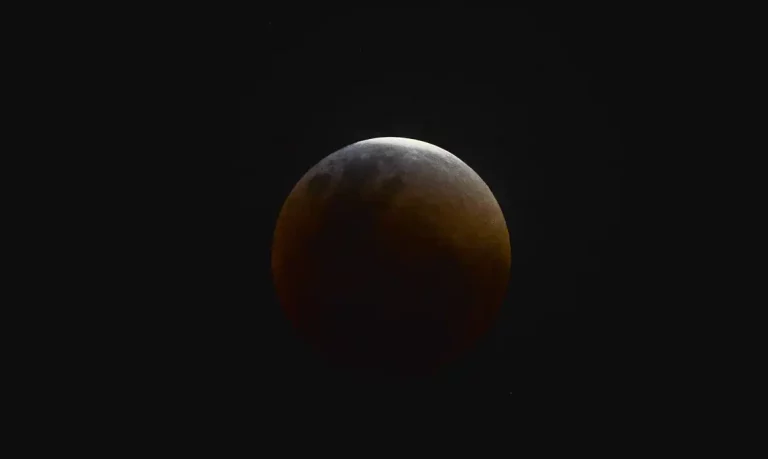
(391, 255)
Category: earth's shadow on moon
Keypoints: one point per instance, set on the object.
(391, 306)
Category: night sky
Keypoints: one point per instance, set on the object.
(531, 100)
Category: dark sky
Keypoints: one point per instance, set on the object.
(533, 101)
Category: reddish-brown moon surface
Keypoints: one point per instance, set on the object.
(391, 255)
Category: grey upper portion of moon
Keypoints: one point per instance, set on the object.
(381, 169)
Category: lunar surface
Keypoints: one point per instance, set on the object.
(391, 256)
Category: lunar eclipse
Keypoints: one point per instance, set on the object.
(391, 256)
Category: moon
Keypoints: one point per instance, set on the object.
(391, 256)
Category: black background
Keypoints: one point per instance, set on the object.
(536, 102)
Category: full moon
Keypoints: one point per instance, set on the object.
(391, 256)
